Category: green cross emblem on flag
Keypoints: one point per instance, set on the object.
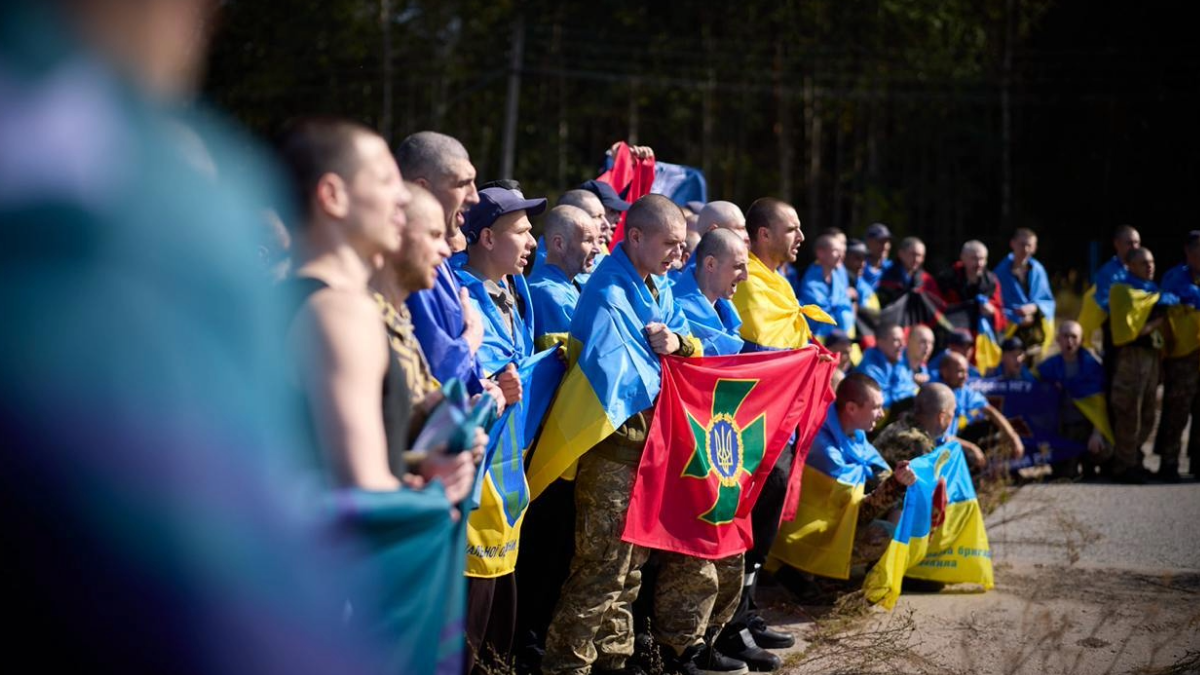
(725, 448)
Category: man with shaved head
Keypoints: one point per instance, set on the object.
(925, 427)
(1137, 328)
(1025, 287)
(593, 622)
(1094, 312)
(449, 330)
(841, 449)
(721, 214)
(590, 204)
(970, 292)
(917, 353)
(694, 598)
(825, 284)
(887, 365)
(1083, 410)
(907, 274)
(974, 418)
(572, 242)
(772, 319)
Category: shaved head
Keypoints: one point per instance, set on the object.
(857, 388)
(652, 214)
(565, 221)
(428, 155)
(975, 247)
(719, 215)
(582, 199)
(1069, 326)
(720, 244)
(934, 398)
(762, 213)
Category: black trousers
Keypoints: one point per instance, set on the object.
(764, 522)
(491, 621)
(547, 545)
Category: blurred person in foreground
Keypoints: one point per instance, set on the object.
(155, 474)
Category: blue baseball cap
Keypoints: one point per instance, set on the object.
(493, 203)
(879, 231)
(608, 196)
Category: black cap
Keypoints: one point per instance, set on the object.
(493, 203)
(1012, 343)
(608, 196)
(960, 336)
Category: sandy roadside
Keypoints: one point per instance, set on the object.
(1089, 579)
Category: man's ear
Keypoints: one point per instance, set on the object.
(331, 196)
(422, 182)
(486, 238)
(710, 263)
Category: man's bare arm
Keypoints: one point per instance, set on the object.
(1001, 422)
(343, 348)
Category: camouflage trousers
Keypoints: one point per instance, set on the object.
(1181, 383)
(1135, 378)
(593, 621)
(694, 596)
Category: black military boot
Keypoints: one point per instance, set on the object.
(741, 646)
(709, 661)
(767, 638)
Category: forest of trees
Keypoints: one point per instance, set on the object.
(950, 119)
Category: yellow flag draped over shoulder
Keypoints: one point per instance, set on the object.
(940, 536)
(772, 317)
(1131, 308)
(1091, 315)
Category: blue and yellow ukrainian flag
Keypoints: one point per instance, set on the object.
(772, 317)
(820, 539)
(613, 375)
(1131, 301)
(987, 347)
(1086, 389)
(494, 529)
(940, 536)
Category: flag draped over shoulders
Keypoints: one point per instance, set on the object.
(1131, 301)
(438, 324)
(1185, 317)
(501, 346)
(553, 297)
(772, 317)
(940, 536)
(493, 530)
(1015, 294)
(1085, 389)
(719, 427)
(614, 373)
(1094, 311)
(820, 538)
(715, 325)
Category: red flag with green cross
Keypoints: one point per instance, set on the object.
(719, 426)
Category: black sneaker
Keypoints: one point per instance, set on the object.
(709, 661)
(767, 638)
(741, 646)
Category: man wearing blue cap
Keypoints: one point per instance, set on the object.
(499, 246)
